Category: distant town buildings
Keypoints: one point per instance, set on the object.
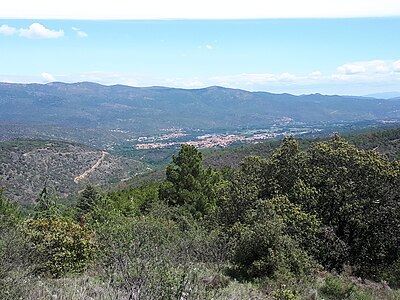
(204, 141)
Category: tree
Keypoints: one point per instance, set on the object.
(87, 199)
(357, 199)
(241, 192)
(283, 169)
(262, 248)
(189, 184)
(46, 204)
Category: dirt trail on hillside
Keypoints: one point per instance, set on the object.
(87, 172)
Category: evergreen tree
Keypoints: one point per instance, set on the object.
(46, 204)
(189, 184)
(87, 199)
(283, 169)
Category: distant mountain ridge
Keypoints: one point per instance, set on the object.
(147, 109)
(385, 95)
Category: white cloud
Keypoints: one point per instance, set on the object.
(315, 74)
(272, 82)
(357, 74)
(82, 34)
(79, 32)
(205, 9)
(375, 76)
(35, 31)
(279, 82)
(207, 46)
(350, 69)
(255, 79)
(7, 30)
(286, 77)
(369, 69)
(396, 66)
(48, 77)
(38, 31)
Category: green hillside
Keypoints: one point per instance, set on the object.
(147, 110)
(383, 140)
(313, 221)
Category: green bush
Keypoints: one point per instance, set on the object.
(390, 274)
(148, 257)
(262, 249)
(13, 253)
(285, 294)
(59, 246)
(298, 224)
(336, 288)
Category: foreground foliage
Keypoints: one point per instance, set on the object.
(266, 230)
(58, 246)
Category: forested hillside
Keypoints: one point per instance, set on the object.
(147, 110)
(383, 140)
(318, 223)
(27, 166)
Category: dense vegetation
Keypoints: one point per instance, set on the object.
(382, 140)
(320, 223)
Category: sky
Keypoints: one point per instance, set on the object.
(350, 48)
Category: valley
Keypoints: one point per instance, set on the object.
(68, 135)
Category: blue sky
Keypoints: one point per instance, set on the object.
(355, 56)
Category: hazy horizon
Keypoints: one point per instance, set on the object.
(297, 47)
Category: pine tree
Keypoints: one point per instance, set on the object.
(46, 203)
(87, 199)
(189, 184)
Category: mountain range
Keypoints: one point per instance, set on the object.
(147, 109)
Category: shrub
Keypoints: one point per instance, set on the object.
(285, 294)
(262, 249)
(59, 246)
(336, 288)
(13, 252)
(390, 274)
(148, 258)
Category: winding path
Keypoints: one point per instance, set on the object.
(87, 172)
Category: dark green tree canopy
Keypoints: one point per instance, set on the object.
(87, 199)
(189, 184)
